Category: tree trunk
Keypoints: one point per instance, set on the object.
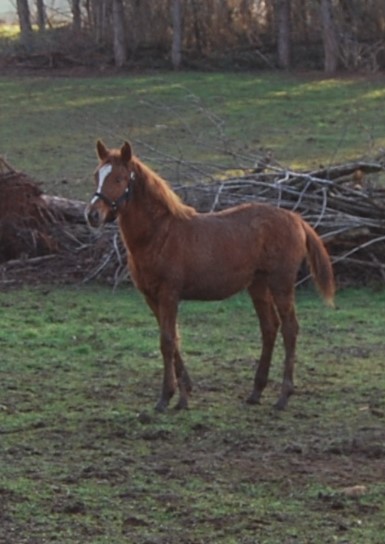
(76, 17)
(196, 26)
(120, 53)
(24, 22)
(283, 33)
(41, 15)
(177, 25)
(330, 39)
(100, 18)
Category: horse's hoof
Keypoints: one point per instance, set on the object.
(253, 399)
(161, 406)
(182, 404)
(188, 386)
(144, 418)
(186, 381)
(280, 404)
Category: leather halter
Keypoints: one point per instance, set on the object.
(124, 197)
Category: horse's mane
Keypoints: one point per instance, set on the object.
(159, 190)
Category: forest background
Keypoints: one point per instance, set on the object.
(328, 35)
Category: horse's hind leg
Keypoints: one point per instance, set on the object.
(286, 309)
(269, 324)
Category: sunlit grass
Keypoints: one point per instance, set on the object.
(9, 32)
(220, 122)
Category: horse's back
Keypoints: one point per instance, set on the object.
(215, 255)
(258, 229)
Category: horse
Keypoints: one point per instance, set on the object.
(175, 253)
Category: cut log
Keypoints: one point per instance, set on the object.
(70, 210)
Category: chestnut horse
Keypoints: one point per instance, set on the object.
(176, 253)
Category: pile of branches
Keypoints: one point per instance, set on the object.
(344, 203)
(25, 219)
(41, 237)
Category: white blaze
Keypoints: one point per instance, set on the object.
(103, 173)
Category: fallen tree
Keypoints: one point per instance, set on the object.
(344, 203)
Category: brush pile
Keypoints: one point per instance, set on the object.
(25, 219)
(344, 203)
(45, 238)
(42, 238)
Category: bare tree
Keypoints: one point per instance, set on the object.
(120, 52)
(24, 22)
(41, 15)
(177, 24)
(283, 32)
(76, 17)
(196, 25)
(99, 17)
(330, 39)
(346, 33)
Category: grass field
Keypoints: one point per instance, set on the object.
(189, 126)
(83, 456)
(84, 459)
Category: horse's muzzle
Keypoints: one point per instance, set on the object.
(97, 218)
(93, 217)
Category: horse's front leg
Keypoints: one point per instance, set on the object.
(175, 374)
(184, 381)
(166, 314)
(175, 371)
(167, 348)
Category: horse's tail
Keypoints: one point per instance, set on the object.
(320, 264)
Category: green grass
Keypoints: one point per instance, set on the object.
(186, 125)
(85, 459)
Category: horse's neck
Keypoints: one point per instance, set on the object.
(142, 224)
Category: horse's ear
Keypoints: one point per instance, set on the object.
(101, 150)
(126, 152)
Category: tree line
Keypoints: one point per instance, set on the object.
(306, 34)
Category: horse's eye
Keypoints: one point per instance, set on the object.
(118, 180)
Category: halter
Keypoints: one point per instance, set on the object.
(124, 197)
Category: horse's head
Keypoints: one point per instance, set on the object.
(113, 180)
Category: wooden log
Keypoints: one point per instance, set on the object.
(70, 210)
